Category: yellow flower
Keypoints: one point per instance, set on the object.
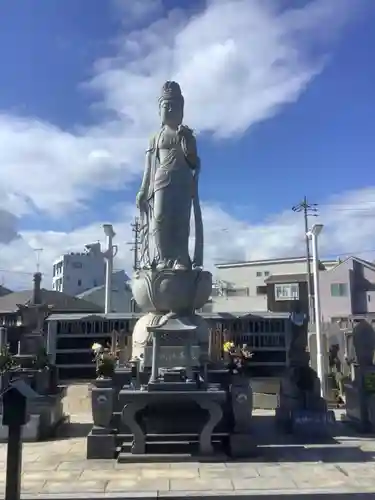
(228, 346)
(96, 347)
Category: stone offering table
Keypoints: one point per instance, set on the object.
(136, 401)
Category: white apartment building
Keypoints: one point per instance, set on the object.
(240, 286)
(74, 273)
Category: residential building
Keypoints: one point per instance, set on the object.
(121, 295)
(348, 289)
(287, 293)
(244, 287)
(73, 273)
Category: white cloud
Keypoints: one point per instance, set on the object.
(348, 221)
(238, 62)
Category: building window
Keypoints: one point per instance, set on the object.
(262, 290)
(339, 290)
(259, 274)
(287, 291)
(95, 283)
(237, 292)
(266, 273)
(79, 282)
(77, 265)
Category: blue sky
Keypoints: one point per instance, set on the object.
(317, 141)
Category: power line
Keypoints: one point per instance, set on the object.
(308, 210)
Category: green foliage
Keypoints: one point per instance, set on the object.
(7, 361)
(239, 358)
(105, 364)
(105, 361)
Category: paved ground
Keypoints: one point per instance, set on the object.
(59, 468)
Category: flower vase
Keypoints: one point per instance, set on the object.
(242, 403)
(102, 399)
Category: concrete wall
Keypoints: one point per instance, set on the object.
(360, 280)
(333, 307)
(237, 304)
(363, 288)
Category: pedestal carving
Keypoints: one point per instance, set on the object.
(129, 417)
(215, 414)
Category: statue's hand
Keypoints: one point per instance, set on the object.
(141, 200)
(197, 168)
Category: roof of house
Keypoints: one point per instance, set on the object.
(4, 291)
(207, 315)
(261, 262)
(364, 262)
(287, 278)
(60, 302)
(115, 287)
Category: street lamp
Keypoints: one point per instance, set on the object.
(313, 236)
(108, 255)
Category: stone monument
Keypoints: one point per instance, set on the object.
(301, 408)
(171, 284)
(171, 401)
(360, 389)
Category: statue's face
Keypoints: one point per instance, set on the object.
(171, 113)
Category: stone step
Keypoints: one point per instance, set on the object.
(166, 447)
(171, 444)
(129, 458)
(165, 437)
(186, 438)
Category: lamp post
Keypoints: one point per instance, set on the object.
(108, 255)
(313, 236)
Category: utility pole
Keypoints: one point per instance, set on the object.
(38, 252)
(136, 229)
(308, 210)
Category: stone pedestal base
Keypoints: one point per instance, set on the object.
(300, 406)
(242, 445)
(100, 444)
(360, 408)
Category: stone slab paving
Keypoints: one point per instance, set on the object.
(59, 469)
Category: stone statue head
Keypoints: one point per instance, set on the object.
(171, 104)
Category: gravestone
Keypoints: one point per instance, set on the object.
(360, 390)
(300, 398)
